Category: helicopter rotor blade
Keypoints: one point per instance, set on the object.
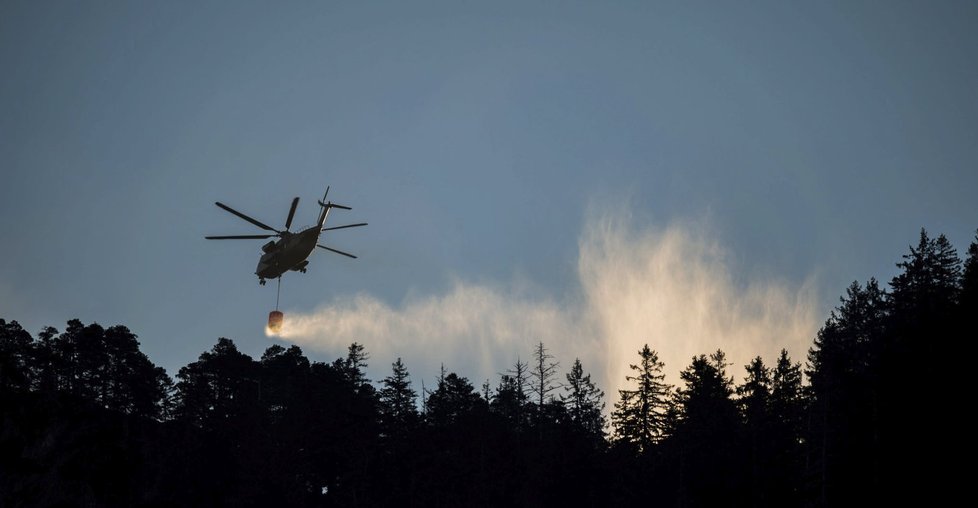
(266, 227)
(288, 222)
(336, 251)
(239, 237)
(346, 226)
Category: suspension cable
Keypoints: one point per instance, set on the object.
(278, 291)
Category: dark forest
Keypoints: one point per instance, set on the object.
(86, 419)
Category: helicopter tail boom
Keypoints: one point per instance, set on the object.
(326, 208)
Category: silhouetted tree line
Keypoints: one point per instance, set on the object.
(86, 419)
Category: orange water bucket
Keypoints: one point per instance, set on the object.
(275, 319)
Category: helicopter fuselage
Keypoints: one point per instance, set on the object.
(288, 253)
(291, 251)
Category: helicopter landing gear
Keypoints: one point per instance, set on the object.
(302, 270)
(261, 282)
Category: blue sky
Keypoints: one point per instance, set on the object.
(813, 140)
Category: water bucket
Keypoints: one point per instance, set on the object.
(275, 319)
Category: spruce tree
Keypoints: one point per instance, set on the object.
(786, 435)
(969, 281)
(920, 331)
(787, 395)
(843, 366)
(398, 409)
(755, 394)
(711, 467)
(930, 280)
(639, 416)
(584, 401)
(754, 398)
(353, 365)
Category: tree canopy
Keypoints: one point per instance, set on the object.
(87, 418)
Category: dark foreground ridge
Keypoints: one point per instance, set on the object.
(86, 419)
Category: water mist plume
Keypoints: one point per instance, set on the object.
(669, 287)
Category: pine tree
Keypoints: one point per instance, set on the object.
(220, 386)
(285, 375)
(453, 399)
(88, 361)
(130, 382)
(101, 366)
(15, 357)
(639, 416)
(46, 368)
(486, 391)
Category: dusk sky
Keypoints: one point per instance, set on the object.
(595, 175)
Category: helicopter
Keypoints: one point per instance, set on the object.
(292, 249)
